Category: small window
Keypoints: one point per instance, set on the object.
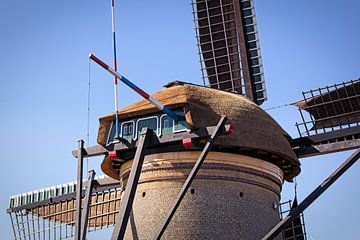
(181, 125)
(151, 122)
(128, 130)
(166, 124)
(112, 132)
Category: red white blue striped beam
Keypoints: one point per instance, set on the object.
(117, 130)
(134, 87)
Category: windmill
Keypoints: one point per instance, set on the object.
(315, 141)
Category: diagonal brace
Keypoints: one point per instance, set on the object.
(313, 196)
(127, 201)
(191, 177)
(86, 207)
(80, 163)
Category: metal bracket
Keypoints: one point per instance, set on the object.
(191, 177)
(127, 201)
(313, 196)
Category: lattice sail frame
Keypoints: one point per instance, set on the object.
(293, 231)
(53, 215)
(228, 45)
(329, 108)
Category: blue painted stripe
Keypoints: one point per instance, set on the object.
(114, 51)
(170, 113)
(117, 130)
(127, 82)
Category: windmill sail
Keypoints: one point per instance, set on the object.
(330, 119)
(334, 105)
(229, 48)
(296, 229)
(50, 213)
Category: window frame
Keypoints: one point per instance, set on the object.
(121, 128)
(109, 134)
(146, 118)
(161, 118)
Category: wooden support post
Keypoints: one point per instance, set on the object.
(313, 196)
(130, 190)
(79, 189)
(87, 202)
(190, 178)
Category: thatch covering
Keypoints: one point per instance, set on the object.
(255, 129)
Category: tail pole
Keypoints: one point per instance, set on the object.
(134, 87)
(117, 130)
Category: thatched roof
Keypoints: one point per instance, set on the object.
(255, 130)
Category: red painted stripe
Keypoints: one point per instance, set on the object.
(98, 61)
(142, 93)
(115, 68)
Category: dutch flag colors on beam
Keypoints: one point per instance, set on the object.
(134, 87)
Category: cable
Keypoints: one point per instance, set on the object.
(280, 106)
(88, 114)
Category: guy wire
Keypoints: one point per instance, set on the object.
(88, 114)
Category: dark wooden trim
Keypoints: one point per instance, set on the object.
(87, 202)
(322, 137)
(244, 52)
(126, 203)
(155, 142)
(310, 151)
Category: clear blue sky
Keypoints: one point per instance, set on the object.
(44, 74)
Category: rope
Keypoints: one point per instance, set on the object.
(277, 107)
(88, 114)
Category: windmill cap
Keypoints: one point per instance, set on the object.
(255, 134)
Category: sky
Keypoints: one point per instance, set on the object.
(45, 71)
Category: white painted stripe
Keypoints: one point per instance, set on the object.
(153, 100)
